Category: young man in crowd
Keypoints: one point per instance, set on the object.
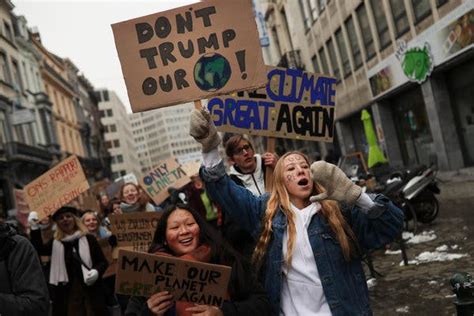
(248, 169)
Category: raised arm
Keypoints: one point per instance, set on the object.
(239, 203)
(236, 201)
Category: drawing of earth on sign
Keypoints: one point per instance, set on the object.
(212, 72)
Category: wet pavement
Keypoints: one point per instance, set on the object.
(424, 289)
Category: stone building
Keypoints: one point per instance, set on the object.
(409, 63)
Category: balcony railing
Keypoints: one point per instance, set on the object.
(21, 151)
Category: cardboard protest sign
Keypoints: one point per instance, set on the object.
(189, 53)
(167, 173)
(294, 104)
(57, 187)
(113, 190)
(107, 250)
(20, 202)
(141, 274)
(100, 186)
(192, 168)
(134, 231)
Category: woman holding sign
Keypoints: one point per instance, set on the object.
(183, 233)
(308, 245)
(77, 265)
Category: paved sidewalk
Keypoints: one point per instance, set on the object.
(456, 184)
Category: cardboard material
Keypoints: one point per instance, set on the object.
(134, 231)
(113, 190)
(192, 168)
(167, 173)
(89, 202)
(20, 202)
(145, 274)
(189, 53)
(107, 250)
(294, 104)
(57, 187)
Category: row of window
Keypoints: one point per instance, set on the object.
(61, 104)
(112, 128)
(116, 159)
(118, 174)
(112, 144)
(106, 113)
(421, 9)
(102, 96)
(185, 151)
(69, 139)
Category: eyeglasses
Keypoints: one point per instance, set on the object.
(240, 151)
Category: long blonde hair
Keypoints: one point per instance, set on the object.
(59, 234)
(279, 199)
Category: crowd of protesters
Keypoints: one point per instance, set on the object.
(295, 250)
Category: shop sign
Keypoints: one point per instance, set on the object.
(416, 62)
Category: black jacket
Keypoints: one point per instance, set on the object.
(61, 294)
(23, 290)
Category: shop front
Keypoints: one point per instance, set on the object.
(412, 127)
(460, 82)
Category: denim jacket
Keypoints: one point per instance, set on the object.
(343, 282)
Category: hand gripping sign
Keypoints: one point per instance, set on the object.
(142, 274)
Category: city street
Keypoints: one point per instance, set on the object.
(424, 289)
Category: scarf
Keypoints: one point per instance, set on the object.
(129, 208)
(58, 272)
(201, 254)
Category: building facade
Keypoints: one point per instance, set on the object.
(96, 160)
(408, 62)
(28, 143)
(61, 92)
(164, 133)
(118, 135)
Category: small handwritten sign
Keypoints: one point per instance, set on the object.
(57, 187)
(167, 173)
(135, 231)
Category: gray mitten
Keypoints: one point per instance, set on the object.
(338, 186)
(202, 128)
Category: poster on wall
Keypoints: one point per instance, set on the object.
(294, 104)
(189, 53)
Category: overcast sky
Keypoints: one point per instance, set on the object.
(80, 30)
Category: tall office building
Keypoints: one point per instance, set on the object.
(118, 134)
(163, 133)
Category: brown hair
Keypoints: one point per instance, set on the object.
(143, 198)
(279, 199)
(233, 142)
